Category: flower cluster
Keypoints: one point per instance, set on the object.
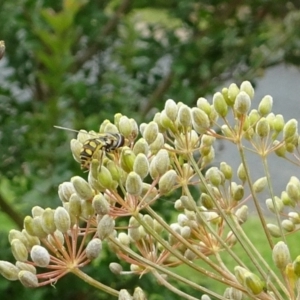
(172, 157)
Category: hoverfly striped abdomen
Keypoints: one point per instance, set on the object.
(105, 142)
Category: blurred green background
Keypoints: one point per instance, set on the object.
(75, 63)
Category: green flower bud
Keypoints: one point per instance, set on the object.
(232, 293)
(109, 127)
(190, 255)
(105, 179)
(286, 200)
(204, 105)
(226, 170)
(262, 128)
(260, 184)
(207, 140)
(25, 267)
(100, 205)
(242, 214)
(280, 148)
(150, 132)
(288, 225)
(233, 91)
(185, 116)
(30, 240)
(141, 146)
(37, 228)
(134, 184)
(127, 159)
(28, 279)
(124, 295)
(105, 227)
(265, 105)
(166, 123)
(139, 294)
(47, 221)
(133, 230)
(171, 109)
(227, 132)
(278, 123)
(247, 87)
(62, 219)
(16, 234)
(87, 209)
(241, 173)
(215, 176)
(274, 230)
(65, 190)
(219, 104)
(141, 165)
(40, 256)
(200, 120)
(294, 217)
(231, 239)
(254, 283)
(8, 270)
(237, 192)
(293, 191)
(242, 103)
(75, 206)
(117, 118)
(188, 203)
(134, 128)
(290, 129)
(240, 273)
(54, 238)
(167, 182)
(124, 239)
(157, 144)
(93, 248)
(19, 250)
(37, 211)
(162, 161)
(276, 205)
(281, 255)
(124, 126)
(82, 188)
(76, 148)
(149, 220)
(206, 201)
(115, 268)
(149, 193)
(296, 266)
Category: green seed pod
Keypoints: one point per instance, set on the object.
(185, 116)
(200, 120)
(281, 255)
(62, 219)
(105, 227)
(262, 128)
(167, 182)
(296, 266)
(260, 184)
(100, 205)
(125, 127)
(276, 205)
(265, 105)
(40, 256)
(47, 221)
(82, 188)
(141, 165)
(115, 268)
(254, 283)
(247, 87)
(8, 270)
(25, 267)
(134, 184)
(141, 146)
(28, 279)
(220, 105)
(127, 159)
(157, 144)
(233, 91)
(93, 248)
(171, 109)
(274, 230)
(150, 132)
(19, 250)
(75, 206)
(242, 103)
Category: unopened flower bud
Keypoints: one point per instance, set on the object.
(105, 179)
(274, 230)
(124, 295)
(242, 214)
(167, 182)
(62, 219)
(105, 227)
(288, 225)
(240, 273)
(296, 266)
(237, 192)
(188, 203)
(294, 217)
(141, 146)
(124, 239)
(134, 184)
(25, 267)
(93, 248)
(162, 161)
(16, 234)
(87, 209)
(28, 279)
(75, 206)
(247, 87)
(275, 205)
(35, 226)
(242, 103)
(139, 294)
(47, 221)
(233, 294)
(124, 126)
(281, 255)
(166, 122)
(76, 148)
(110, 127)
(278, 123)
(127, 159)
(241, 173)
(19, 250)
(265, 105)
(219, 104)
(215, 176)
(293, 191)
(40, 256)
(262, 128)
(260, 184)
(206, 201)
(8, 270)
(115, 268)
(226, 170)
(200, 120)
(141, 165)
(233, 91)
(231, 239)
(280, 148)
(254, 283)
(100, 205)
(37, 211)
(82, 188)
(185, 116)
(150, 132)
(157, 144)
(227, 131)
(290, 129)
(171, 109)
(65, 190)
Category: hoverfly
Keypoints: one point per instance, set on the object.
(104, 142)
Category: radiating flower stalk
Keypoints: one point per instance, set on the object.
(173, 158)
